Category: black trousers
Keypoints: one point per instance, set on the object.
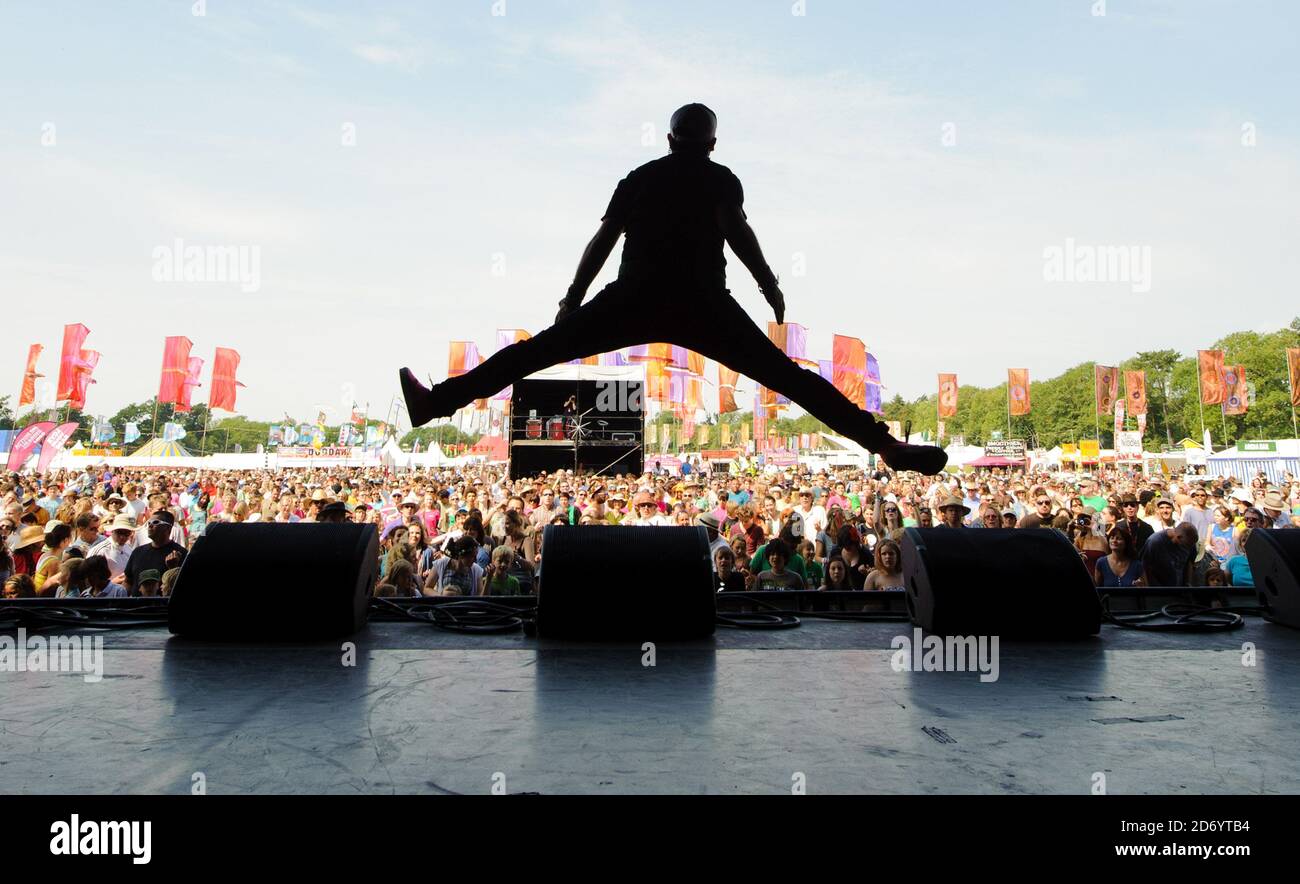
(714, 325)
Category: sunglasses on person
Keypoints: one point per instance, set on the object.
(1043, 502)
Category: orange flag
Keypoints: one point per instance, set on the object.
(1018, 390)
(947, 395)
(849, 368)
(1107, 384)
(1135, 387)
(1210, 366)
(28, 396)
(1234, 380)
(224, 381)
(727, 380)
(1293, 365)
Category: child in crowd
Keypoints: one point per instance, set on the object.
(776, 578)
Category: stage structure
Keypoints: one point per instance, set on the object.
(578, 417)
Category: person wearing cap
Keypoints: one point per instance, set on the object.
(160, 554)
(150, 582)
(952, 512)
(710, 524)
(118, 546)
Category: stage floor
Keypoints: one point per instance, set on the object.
(424, 711)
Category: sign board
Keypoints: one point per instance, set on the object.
(1089, 448)
(1243, 445)
(1011, 449)
(324, 451)
(1128, 443)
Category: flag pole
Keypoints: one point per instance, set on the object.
(1200, 397)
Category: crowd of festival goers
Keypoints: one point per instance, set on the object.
(473, 531)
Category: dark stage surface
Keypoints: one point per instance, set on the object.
(426, 711)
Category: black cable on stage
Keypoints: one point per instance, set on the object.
(1181, 617)
(473, 616)
(779, 618)
(33, 618)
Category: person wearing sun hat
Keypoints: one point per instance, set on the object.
(952, 512)
(27, 549)
(1274, 507)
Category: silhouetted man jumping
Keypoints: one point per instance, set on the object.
(677, 211)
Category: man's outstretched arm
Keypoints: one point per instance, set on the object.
(740, 236)
(593, 258)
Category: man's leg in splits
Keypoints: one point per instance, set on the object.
(727, 335)
(609, 321)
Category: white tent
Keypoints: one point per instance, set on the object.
(1271, 457)
(960, 455)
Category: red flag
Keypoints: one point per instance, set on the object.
(175, 369)
(1135, 388)
(1018, 390)
(85, 368)
(28, 396)
(947, 395)
(27, 439)
(1210, 367)
(184, 400)
(1234, 379)
(53, 443)
(73, 337)
(849, 368)
(224, 381)
(1106, 381)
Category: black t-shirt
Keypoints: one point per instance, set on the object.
(151, 558)
(735, 582)
(667, 208)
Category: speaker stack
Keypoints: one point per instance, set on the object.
(1012, 583)
(275, 582)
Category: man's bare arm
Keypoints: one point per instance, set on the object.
(743, 241)
(593, 258)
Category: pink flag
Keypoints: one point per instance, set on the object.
(53, 443)
(73, 337)
(175, 369)
(184, 401)
(27, 439)
(224, 381)
(85, 370)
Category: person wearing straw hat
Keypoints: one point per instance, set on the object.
(952, 512)
(118, 546)
(1274, 508)
(27, 549)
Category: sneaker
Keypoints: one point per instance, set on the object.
(925, 459)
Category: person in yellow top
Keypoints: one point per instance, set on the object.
(58, 537)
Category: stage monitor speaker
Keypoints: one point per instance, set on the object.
(625, 583)
(1274, 556)
(1013, 583)
(275, 582)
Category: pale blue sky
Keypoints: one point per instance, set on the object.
(479, 135)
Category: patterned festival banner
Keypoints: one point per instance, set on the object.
(1234, 380)
(1293, 369)
(1018, 390)
(1106, 388)
(947, 395)
(1210, 370)
(849, 368)
(1135, 390)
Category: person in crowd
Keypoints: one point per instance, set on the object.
(96, 579)
(159, 554)
(86, 532)
(1009, 519)
(118, 546)
(497, 579)
(1253, 518)
(1167, 556)
(150, 584)
(776, 577)
(1197, 511)
(1135, 526)
(1121, 567)
(811, 563)
(725, 576)
(952, 512)
(836, 578)
(1237, 567)
(456, 573)
(19, 586)
(1275, 509)
(1092, 545)
(888, 570)
(58, 537)
(169, 581)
